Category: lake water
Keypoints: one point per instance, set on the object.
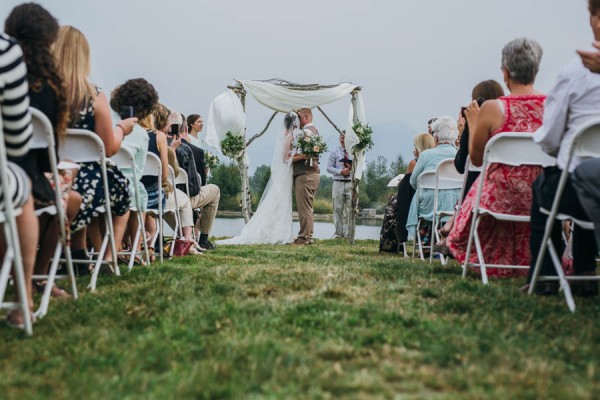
(323, 230)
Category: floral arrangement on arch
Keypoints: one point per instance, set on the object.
(365, 137)
(233, 145)
(211, 160)
(311, 145)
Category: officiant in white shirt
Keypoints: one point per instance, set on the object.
(339, 165)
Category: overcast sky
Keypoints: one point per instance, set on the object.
(414, 59)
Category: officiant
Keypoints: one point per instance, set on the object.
(339, 165)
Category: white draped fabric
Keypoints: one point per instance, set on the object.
(352, 138)
(284, 99)
(225, 113)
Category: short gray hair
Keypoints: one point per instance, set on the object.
(522, 57)
(445, 129)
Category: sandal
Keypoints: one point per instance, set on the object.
(10, 320)
(151, 254)
(55, 292)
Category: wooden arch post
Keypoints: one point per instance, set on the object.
(245, 195)
(355, 182)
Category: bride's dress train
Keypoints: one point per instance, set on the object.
(272, 221)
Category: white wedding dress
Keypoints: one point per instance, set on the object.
(272, 221)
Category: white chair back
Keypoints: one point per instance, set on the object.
(12, 254)
(515, 149)
(43, 138)
(426, 180)
(586, 142)
(82, 145)
(447, 177)
(153, 167)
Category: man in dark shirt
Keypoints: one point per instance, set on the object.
(202, 195)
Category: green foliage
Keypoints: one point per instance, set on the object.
(325, 187)
(365, 137)
(288, 322)
(227, 178)
(233, 145)
(258, 182)
(323, 206)
(398, 166)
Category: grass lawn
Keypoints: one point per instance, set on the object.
(323, 321)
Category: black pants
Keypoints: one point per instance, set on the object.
(584, 245)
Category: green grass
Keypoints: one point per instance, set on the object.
(324, 321)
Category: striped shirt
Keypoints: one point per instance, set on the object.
(14, 99)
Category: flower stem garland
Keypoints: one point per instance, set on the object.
(365, 136)
(311, 145)
(233, 145)
(211, 160)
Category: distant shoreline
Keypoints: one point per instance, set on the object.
(318, 217)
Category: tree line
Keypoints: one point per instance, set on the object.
(373, 190)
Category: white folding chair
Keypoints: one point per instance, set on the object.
(425, 181)
(468, 168)
(80, 145)
(510, 148)
(153, 167)
(182, 179)
(124, 158)
(178, 229)
(12, 256)
(586, 144)
(43, 138)
(446, 178)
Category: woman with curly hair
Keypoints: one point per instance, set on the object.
(141, 96)
(88, 109)
(35, 29)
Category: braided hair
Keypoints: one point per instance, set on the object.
(35, 29)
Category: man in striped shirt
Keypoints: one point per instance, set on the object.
(17, 132)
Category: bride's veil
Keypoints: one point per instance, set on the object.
(279, 166)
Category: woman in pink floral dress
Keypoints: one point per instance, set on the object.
(507, 189)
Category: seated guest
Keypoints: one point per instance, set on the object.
(14, 107)
(445, 133)
(486, 90)
(206, 197)
(89, 109)
(506, 189)
(586, 182)
(35, 29)
(572, 102)
(141, 96)
(155, 124)
(393, 229)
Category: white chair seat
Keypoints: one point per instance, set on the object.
(504, 217)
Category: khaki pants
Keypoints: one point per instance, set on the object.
(208, 199)
(341, 194)
(305, 187)
(185, 209)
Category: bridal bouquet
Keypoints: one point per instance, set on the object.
(233, 145)
(365, 136)
(310, 145)
(211, 160)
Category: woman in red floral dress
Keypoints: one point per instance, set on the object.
(507, 189)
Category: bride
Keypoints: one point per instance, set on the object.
(272, 221)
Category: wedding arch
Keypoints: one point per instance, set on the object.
(227, 120)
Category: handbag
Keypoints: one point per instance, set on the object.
(181, 248)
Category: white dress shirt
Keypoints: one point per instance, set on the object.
(574, 100)
(335, 164)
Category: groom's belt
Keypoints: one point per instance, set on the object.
(342, 180)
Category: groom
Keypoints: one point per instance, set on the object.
(306, 182)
